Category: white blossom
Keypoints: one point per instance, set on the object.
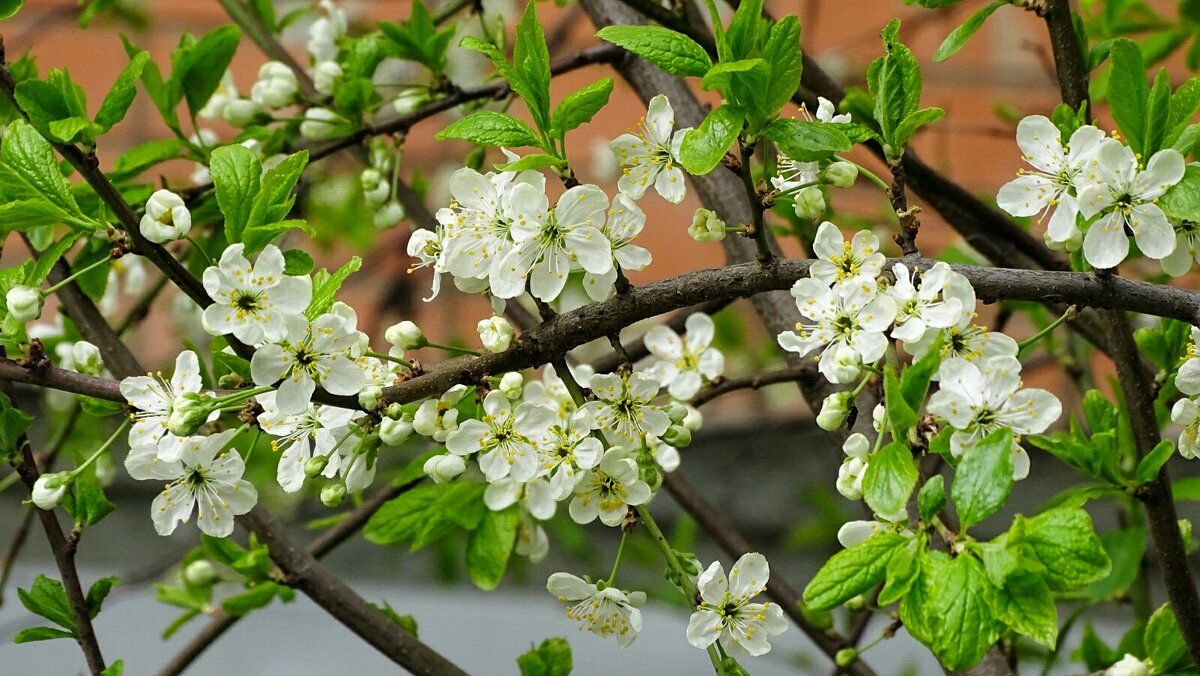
(625, 220)
(534, 496)
(839, 260)
(48, 490)
(726, 614)
(155, 399)
(853, 314)
(506, 438)
(684, 364)
(276, 86)
(604, 612)
(301, 436)
(309, 355)
(651, 157)
(436, 418)
(920, 309)
(480, 217)
(495, 333)
(426, 247)
(24, 303)
(206, 478)
(251, 301)
(1127, 196)
(623, 405)
(166, 219)
(568, 447)
(609, 489)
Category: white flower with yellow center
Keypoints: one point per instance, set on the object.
(623, 406)
(604, 612)
(1051, 184)
(206, 478)
(155, 398)
(920, 309)
(651, 157)
(309, 355)
(608, 490)
(839, 260)
(625, 220)
(1127, 197)
(550, 243)
(964, 339)
(426, 247)
(684, 364)
(302, 436)
(479, 219)
(726, 614)
(980, 397)
(506, 439)
(251, 301)
(568, 447)
(852, 314)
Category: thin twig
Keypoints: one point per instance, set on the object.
(790, 374)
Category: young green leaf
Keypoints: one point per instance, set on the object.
(914, 121)
(959, 36)
(903, 571)
(722, 74)
(41, 634)
(98, 592)
(852, 571)
(704, 146)
(580, 106)
(1148, 467)
(744, 29)
(984, 478)
(932, 497)
(47, 598)
(1165, 642)
(199, 68)
(1065, 542)
(890, 479)
(490, 545)
(489, 128)
(533, 161)
(120, 97)
(783, 56)
(1128, 92)
(894, 81)
(551, 658)
(426, 512)
(958, 618)
(1026, 605)
(326, 286)
(1182, 200)
(806, 141)
(531, 58)
(235, 171)
(673, 52)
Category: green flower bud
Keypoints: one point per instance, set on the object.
(706, 227)
(840, 174)
(649, 471)
(189, 412)
(845, 657)
(394, 410)
(394, 432)
(200, 573)
(676, 412)
(809, 203)
(678, 436)
(834, 411)
(333, 494)
(315, 466)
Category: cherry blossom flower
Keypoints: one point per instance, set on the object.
(651, 157)
(924, 308)
(853, 314)
(506, 439)
(251, 301)
(155, 398)
(309, 355)
(684, 364)
(608, 490)
(623, 405)
(978, 398)
(1126, 196)
(301, 436)
(436, 418)
(480, 217)
(625, 220)
(964, 339)
(604, 612)
(568, 447)
(1051, 184)
(206, 478)
(726, 614)
(839, 260)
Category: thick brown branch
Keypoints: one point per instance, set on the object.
(328, 591)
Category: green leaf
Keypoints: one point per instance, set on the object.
(852, 571)
(426, 512)
(98, 592)
(959, 36)
(13, 423)
(1165, 642)
(326, 286)
(742, 35)
(1182, 200)
(143, 156)
(903, 571)
(1128, 91)
(1185, 102)
(90, 505)
(1148, 467)
(115, 669)
(120, 97)
(580, 106)
(10, 7)
(236, 175)
(258, 236)
(890, 478)
(1066, 544)
(199, 68)
(673, 52)
(806, 141)
(30, 170)
(894, 81)
(490, 545)
(914, 121)
(720, 75)
(253, 598)
(406, 622)
(1026, 605)
(914, 382)
(489, 128)
(1157, 111)
(70, 129)
(783, 56)
(958, 615)
(534, 161)
(46, 598)
(983, 478)
(1125, 548)
(551, 658)
(901, 417)
(297, 262)
(931, 499)
(704, 146)
(41, 634)
(531, 58)
(1187, 488)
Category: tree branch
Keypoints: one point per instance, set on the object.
(790, 374)
(249, 22)
(325, 589)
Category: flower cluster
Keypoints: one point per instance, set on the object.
(851, 311)
(1097, 191)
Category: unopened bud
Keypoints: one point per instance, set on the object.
(856, 445)
(677, 436)
(840, 174)
(834, 411)
(495, 333)
(393, 431)
(189, 412)
(676, 412)
(845, 657)
(333, 494)
(369, 396)
(445, 467)
(315, 466)
(405, 336)
(846, 365)
(200, 573)
(809, 203)
(706, 227)
(24, 303)
(49, 489)
(511, 385)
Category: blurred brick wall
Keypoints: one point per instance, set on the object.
(1007, 62)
